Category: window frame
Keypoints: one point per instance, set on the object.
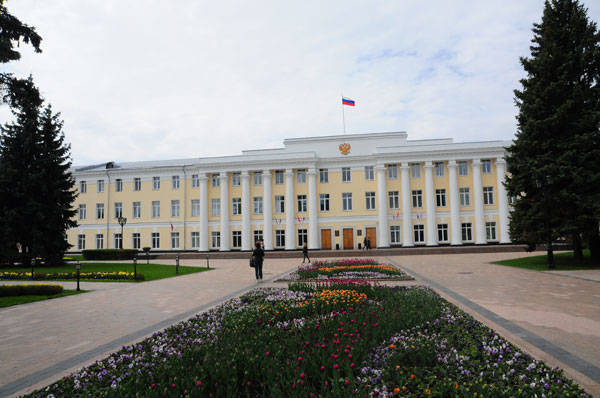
(463, 168)
(215, 239)
(156, 209)
(215, 207)
(324, 202)
(236, 239)
(395, 235)
(279, 179)
(119, 185)
(257, 204)
(417, 198)
(279, 204)
(300, 176)
(118, 209)
(236, 206)
(370, 203)
(136, 240)
(491, 233)
(486, 166)
(195, 208)
(175, 182)
(488, 196)
(323, 176)
(439, 169)
(83, 186)
(194, 239)
(257, 178)
(440, 197)
(394, 199)
(302, 235)
(82, 211)
(392, 175)
(347, 201)
(99, 186)
(466, 231)
(464, 196)
(175, 208)
(301, 203)
(99, 241)
(215, 180)
(280, 238)
(155, 240)
(100, 211)
(80, 241)
(442, 232)
(156, 183)
(415, 170)
(346, 174)
(236, 179)
(137, 184)
(419, 233)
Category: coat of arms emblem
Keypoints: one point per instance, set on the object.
(344, 148)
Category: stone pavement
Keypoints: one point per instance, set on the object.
(554, 316)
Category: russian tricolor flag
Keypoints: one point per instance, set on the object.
(347, 101)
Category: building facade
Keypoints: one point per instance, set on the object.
(332, 192)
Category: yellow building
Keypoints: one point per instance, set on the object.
(331, 192)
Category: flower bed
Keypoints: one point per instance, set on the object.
(29, 290)
(335, 340)
(116, 276)
(351, 269)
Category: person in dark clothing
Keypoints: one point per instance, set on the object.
(305, 253)
(368, 244)
(258, 255)
(365, 243)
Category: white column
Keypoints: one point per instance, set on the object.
(224, 181)
(382, 231)
(407, 232)
(289, 210)
(456, 238)
(246, 238)
(203, 212)
(478, 203)
(430, 204)
(313, 222)
(502, 201)
(267, 211)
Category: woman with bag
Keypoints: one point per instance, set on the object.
(257, 260)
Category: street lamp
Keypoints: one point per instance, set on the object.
(122, 221)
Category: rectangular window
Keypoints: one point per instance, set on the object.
(236, 206)
(99, 211)
(279, 238)
(279, 177)
(215, 239)
(236, 239)
(419, 231)
(82, 187)
(486, 166)
(417, 198)
(467, 233)
(440, 197)
(215, 207)
(235, 179)
(136, 241)
(394, 199)
(118, 241)
(392, 171)
(488, 195)
(215, 180)
(369, 173)
(346, 174)
(137, 209)
(258, 236)
(324, 201)
(81, 242)
(82, 212)
(100, 185)
(439, 169)
(118, 209)
(300, 176)
(155, 240)
(137, 184)
(195, 181)
(301, 203)
(174, 240)
(347, 201)
(415, 170)
(257, 178)
(118, 185)
(99, 241)
(175, 182)
(463, 168)
(279, 204)
(442, 230)
(395, 234)
(465, 196)
(490, 230)
(155, 209)
(156, 183)
(175, 208)
(370, 200)
(195, 238)
(195, 207)
(323, 176)
(302, 237)
(257, 207)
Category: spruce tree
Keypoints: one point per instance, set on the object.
(553, 173)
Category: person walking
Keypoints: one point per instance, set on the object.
(365, 247)
(258, 255)
(305, 253)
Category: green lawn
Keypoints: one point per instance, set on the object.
(10, 301)
(150, 271)
(563, 262)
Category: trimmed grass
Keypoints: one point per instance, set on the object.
(151, 272)
(563, 262)
(10, 301)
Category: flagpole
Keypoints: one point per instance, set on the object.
(343, 116)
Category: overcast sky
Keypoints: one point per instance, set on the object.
(148, 80)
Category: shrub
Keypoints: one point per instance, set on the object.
(29, 290)
(110, 254)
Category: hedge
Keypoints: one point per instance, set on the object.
(110, 254)
(29, 290)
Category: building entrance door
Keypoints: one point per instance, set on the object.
(326, 239)
(372, 236)
(348, 238)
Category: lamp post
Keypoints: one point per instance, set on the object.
(135, 269)
(177, 264)
(78, 268)
(122, 221)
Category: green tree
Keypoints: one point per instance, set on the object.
(552, 169)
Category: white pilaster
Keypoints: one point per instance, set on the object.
(407, 233)
(502, 201)
(382, 231)
(224, 181)
(203, 212)
(246, 233)
(313, 222)
(456, 238)
(289, 210)
(478, 203)
(430, 204)
(267, 211)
